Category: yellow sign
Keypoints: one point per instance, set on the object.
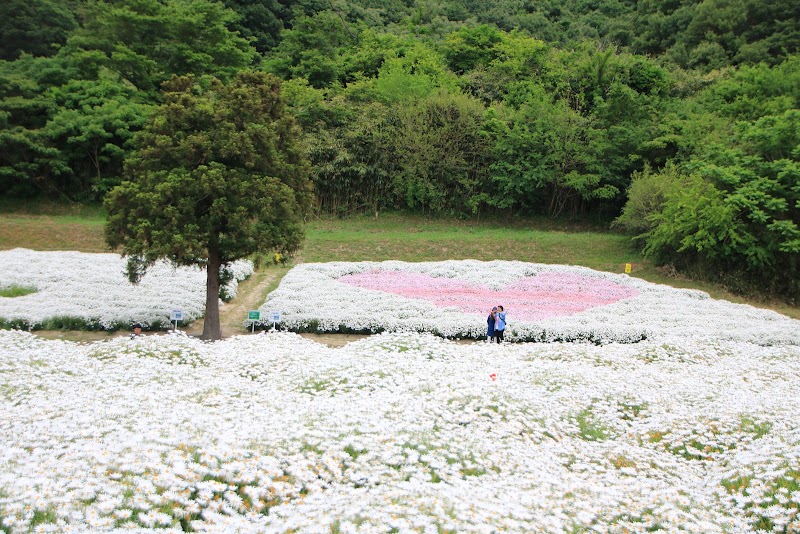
(628, 268)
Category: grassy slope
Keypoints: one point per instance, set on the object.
(46, 226)
(49, 227)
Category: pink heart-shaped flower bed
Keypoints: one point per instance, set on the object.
(531, 298)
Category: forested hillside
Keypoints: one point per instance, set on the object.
(679, 118)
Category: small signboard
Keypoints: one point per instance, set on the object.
(253, 316)
(175, 316)
(274, 316)
(628, 268)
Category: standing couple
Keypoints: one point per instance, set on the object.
(496, 324)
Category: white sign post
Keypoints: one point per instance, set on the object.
(274, 317)
(175, 316)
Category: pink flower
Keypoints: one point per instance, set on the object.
(530, 298)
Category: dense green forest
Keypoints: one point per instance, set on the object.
(679, 120)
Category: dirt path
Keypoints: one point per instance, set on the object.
(250, 296)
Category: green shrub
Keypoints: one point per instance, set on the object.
(78, 324)
(14, 324)
(646, 197)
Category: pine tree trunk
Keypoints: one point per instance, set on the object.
(211, 328)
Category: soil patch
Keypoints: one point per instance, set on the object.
(250, 296)
(334, 340)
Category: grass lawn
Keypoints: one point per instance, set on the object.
(389, 236)
(47, 226)
(415, 239)
(410, 238)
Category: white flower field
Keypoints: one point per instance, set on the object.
(690, 427)
(93, 288)
(544, 303)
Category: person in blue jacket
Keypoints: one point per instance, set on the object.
(490, 324)
(500, 324)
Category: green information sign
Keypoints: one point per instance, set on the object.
(253, 315)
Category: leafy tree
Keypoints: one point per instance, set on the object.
(353, 159)
(36, 27)
(416, 75)
(63, 133)
(374, 48)
(739, 219)
(660, 24)
(709, 34)
(470, 47)
(546, 157)
(440, 154)
(94, 121)
(517, 59)
(259, 20)
(29, 164)
(312, 49)
(219, 174)
(646, 197)
(148, 41)
(731, 201)
(750, 92)
(410, 72)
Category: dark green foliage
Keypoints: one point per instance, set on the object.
(148, 41)
(74, 323)
(259, 20)
(739, 217)
(350, 163)
(93, 124)
(312, 48)
(218, 175)
(469, 48)
(711, 34)
(68, 139)
(65, 121)
(225, 276)
(732, 207)
(568, 142)
(439, 155)
(35, 27)
(29, 163)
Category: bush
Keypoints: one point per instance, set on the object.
(729, 223)
(79, 324)
(646, 197)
